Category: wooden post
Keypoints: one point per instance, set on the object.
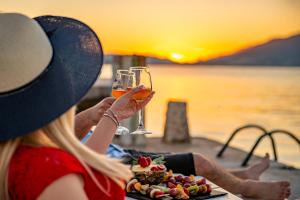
(176, 127)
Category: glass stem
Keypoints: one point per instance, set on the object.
(141, 119)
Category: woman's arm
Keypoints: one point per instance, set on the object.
(91, 117)
(83, 124)
(103, 135)
(66, 187)
(124, 107)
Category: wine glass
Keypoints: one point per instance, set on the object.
(122, 84)
(142, 77)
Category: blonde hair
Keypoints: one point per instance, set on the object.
(60, 133)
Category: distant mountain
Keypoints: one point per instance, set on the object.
(108, 59)
(277, 52)
(153, 60)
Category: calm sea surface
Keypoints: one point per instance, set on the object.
(222, 98)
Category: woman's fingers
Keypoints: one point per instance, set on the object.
(106, 102)
(146, 100)
(133, 91)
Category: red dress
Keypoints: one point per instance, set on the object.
(32, 169)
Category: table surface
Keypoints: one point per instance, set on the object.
(214, 187)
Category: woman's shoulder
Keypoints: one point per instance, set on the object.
(43, 157)
(32, 169)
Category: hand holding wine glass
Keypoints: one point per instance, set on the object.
(126, 106)
(95, 113)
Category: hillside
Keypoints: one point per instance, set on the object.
(277, 52)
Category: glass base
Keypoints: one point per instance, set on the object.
(121, 130)
(140, 132)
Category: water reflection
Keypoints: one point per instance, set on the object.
(222, 98)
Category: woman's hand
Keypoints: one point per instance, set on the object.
(96, 112)
(123, 107)
(90, 117)
(126, 106)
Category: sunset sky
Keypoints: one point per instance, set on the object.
(180, 30)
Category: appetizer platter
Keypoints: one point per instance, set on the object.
(152, 180)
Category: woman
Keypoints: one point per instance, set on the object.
(47, 65)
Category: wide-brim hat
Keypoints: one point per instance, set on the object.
(47, 64)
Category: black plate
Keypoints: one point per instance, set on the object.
(213, 194)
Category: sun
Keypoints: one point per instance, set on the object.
(177, 57)
(183, 58)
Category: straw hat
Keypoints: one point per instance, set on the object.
(47, 65)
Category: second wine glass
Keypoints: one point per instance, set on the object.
(142, 76)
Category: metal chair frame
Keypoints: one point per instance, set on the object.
(260, 138)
